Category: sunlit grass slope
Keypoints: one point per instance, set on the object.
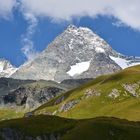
(115, 95)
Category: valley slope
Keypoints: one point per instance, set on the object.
(96, 110)
(115, 95)
(77, 88)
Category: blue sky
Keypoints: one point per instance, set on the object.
(41, 30)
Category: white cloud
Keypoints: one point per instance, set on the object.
(127, 11)
(29, 50)
(28, 45)
(6, 7)
(118, 24)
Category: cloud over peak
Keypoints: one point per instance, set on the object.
(126, 11)
(6, 7)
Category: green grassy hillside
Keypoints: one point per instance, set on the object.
(68, 129)
(107, 108)
(115, 95)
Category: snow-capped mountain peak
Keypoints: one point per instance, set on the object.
(76, 53)
(6, 68)
(84, 35)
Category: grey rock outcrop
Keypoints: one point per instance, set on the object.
(133, 89)
(114, 94)
(67, 106)
(90, 93)
(30, 97)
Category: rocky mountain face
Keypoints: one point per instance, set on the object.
(77, 53)
(30, 97)
(28, 94)
(7, 85)
(6, 68)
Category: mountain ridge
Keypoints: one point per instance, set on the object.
(77, 53)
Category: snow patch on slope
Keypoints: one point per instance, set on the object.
(123, 63)
(1, 68)
(79, 68)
